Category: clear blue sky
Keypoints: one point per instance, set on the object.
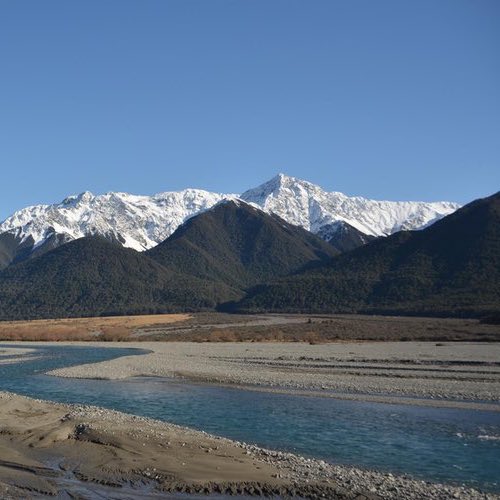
(386, 99)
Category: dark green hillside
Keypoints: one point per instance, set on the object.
(8, 247)
(450, 268)
(344, 237)
(91, 277)
(239, 245)
(12, 249)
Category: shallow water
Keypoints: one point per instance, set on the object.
(448, 445)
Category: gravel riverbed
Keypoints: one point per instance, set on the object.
(448, 371)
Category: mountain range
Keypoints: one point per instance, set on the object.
(239, 255)
(142, 222)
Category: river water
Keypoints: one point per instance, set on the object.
(447, 445)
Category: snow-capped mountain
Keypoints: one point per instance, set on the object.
(141, 222)
(302, 203)
(138, 222)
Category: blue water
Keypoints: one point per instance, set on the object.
(448, 445)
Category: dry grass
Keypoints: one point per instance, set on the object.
(114, 328)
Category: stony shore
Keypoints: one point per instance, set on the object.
(72, 450)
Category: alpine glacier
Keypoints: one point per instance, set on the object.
(141, 222)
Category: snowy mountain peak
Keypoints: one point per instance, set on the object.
(277, 184)
(308, 205)
(84, 197)
(282, 181)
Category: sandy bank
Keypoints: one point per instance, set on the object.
(55, 449)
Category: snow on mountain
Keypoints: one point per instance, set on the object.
(302, 203)
(138, 222)
(141, 222)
